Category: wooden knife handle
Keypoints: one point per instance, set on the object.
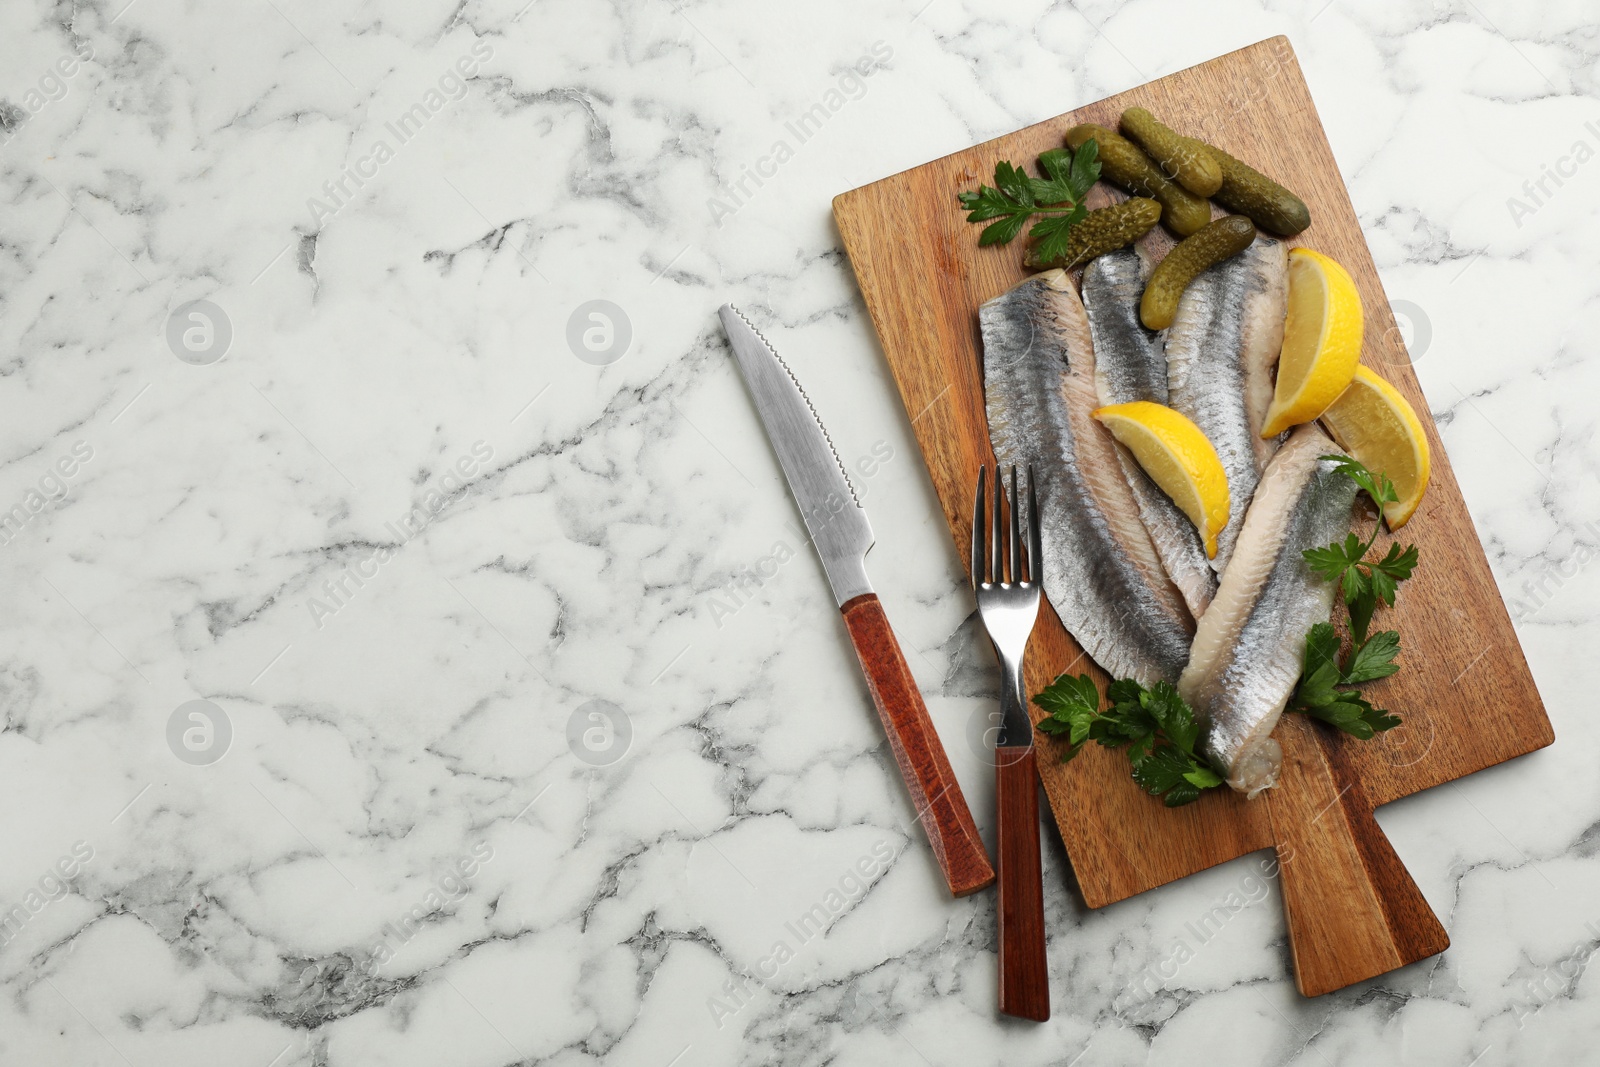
(923, 763)
(1024, 975)
(1353, 910)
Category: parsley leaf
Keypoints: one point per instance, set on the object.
(1398, 564)
(1319, 679)
(1085, 168)
(1002, 232)
(1073, 704)
(1377, 486)
(1361, 608)
(1058, 187)
(1323, 693)
(1352, 714)
(1055, 233)
(1017, 196)
(1329, 563)
(985, 204)
(1157, 728)
(1364, 585)
(1162, 773)
(1373, 659)
(1172, 715)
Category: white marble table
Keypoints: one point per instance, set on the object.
(404, 540)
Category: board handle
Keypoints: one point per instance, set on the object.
(1353, 910)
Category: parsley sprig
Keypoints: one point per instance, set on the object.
(1017, 196)
(1363, 583)
(1319, 693)
(1157, 727)
(1324, 691)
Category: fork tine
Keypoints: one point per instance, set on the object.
(1015, 528)
(977, 530)
(997, 530)
(1035, 546)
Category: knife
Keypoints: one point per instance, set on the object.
(841, 535)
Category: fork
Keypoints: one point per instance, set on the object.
(1007, 588)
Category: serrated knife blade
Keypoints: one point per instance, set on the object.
(839, 529)
(817, 479)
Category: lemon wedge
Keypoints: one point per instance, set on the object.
(1375, 424)
(1321, 341)
(1178, 458)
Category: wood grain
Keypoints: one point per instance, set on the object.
(1465, 692)
(935, 793)
(1024, 973)
(1330, 850)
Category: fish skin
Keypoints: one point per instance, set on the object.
(1101, 571)
(1130, 364)
(1249, 648)
(1221, 350)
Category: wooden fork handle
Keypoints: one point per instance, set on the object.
(923, 764)
(1024, 975)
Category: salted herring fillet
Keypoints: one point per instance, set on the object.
(1129, 365)
(1101, 571)
(1249, 647)
(1221, 349)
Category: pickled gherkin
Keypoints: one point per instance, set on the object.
(1183, 159)
(1249, 192)
(1125, 163)
(1102, 230)
(1228, 236)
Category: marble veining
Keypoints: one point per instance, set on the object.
(411, 654)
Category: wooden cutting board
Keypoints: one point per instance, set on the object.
(1464, 693)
